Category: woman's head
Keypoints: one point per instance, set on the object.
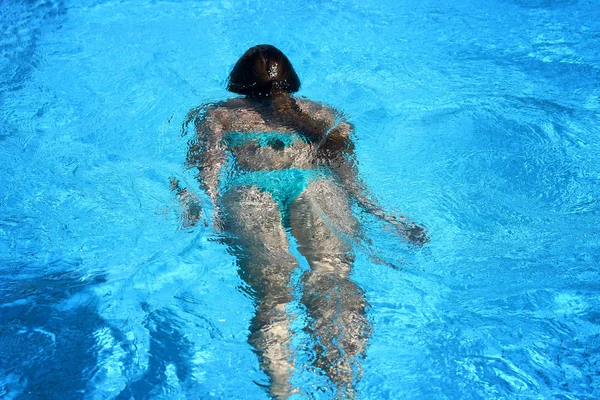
(262, 71)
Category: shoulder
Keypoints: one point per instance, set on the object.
(334, 118)
(317, 110)
(219, 108)
(222, 109)
(219, 115)
(339, 127)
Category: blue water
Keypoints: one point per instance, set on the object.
(480, 120)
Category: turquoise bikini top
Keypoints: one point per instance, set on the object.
(264, 139)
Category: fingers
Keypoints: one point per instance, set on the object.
(416, 234)
(174, 182)
(412, 232)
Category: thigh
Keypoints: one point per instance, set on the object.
(323, 224)
(252, 222)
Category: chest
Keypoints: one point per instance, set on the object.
(269, 150)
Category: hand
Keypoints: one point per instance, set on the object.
(191, 208)
(413, 232)
(174, 183)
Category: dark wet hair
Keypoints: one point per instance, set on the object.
(261, 70)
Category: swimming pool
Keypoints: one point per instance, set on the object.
(481, 121)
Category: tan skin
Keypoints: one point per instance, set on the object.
(320, 220)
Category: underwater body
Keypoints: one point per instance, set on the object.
(480, 121)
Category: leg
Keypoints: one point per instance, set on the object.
(261, 246)
(320, 216)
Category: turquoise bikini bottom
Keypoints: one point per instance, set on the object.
(285, 185)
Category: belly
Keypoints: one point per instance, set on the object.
(254, 157)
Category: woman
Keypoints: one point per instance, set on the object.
(270, 163)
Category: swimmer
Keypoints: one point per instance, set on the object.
(272, 163)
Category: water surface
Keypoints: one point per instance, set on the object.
(480, 121)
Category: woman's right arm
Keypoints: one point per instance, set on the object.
(206, 151)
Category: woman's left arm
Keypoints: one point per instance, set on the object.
(337, 150)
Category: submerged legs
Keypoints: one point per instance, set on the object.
(319, 217)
